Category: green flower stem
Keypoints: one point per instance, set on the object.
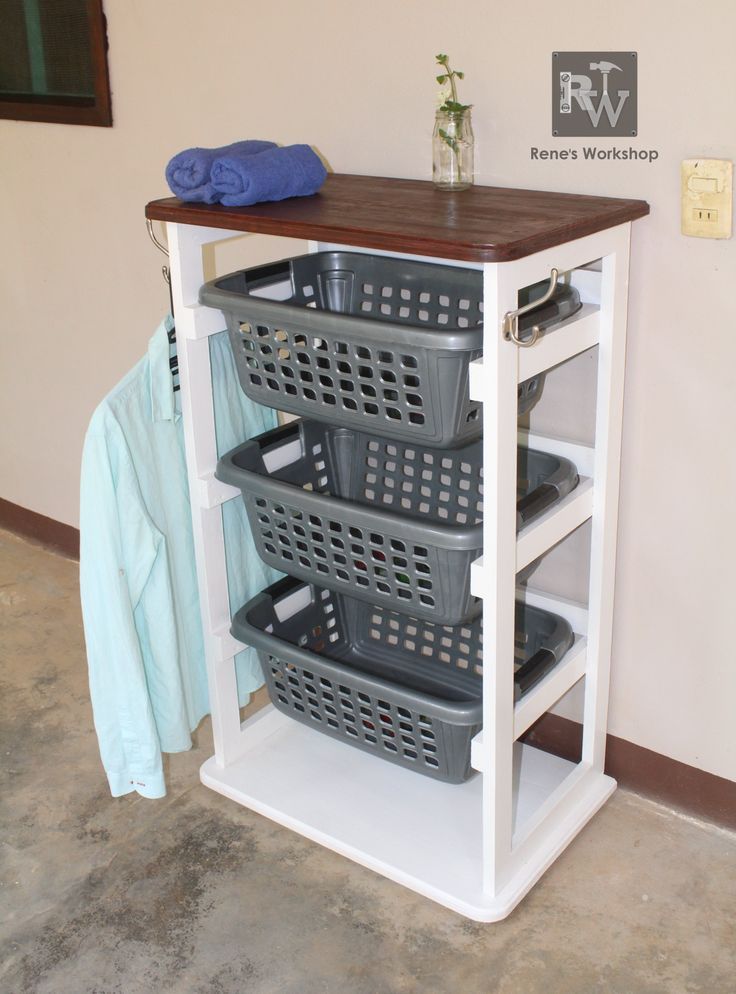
(453, 87)
(451, 135)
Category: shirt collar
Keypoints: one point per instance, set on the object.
(164, 402)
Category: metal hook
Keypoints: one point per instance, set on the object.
(161, 247)
(152, 235)
(511, 318)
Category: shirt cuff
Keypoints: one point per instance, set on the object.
(150, 785)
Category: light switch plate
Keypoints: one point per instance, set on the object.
(707, 197)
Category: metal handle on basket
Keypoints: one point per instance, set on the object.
(511, 318)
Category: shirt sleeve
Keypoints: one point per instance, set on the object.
(110, 588)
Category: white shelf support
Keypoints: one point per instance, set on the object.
(544, 532)
(578, 334)
(225, 644)
(549, 690)
(539, 700)
(211, 492)
(573, 612)
(554, 524)
(203, 321)
(575, 335)
(582, 456)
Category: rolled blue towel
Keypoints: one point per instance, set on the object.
(188, 173)
(292, 171)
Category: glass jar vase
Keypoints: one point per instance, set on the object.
(452, 150)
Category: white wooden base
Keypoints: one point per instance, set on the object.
(420, 833)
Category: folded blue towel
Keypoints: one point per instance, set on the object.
(292, 171)
(188, 173)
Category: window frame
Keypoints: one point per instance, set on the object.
(71, 110)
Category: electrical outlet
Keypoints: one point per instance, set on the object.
(702, 214)
(707, 197)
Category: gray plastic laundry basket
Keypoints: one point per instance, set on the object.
(405, 690)
(368, 341)
(386, 521)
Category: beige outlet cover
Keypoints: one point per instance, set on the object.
(707, 197)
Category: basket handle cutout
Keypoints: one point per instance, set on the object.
(296, 596)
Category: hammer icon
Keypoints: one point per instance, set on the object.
(605, 68)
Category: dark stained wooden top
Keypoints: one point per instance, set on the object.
(482, 224)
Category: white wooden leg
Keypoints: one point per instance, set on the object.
(499, 557)
(609, 416)
(193, 325)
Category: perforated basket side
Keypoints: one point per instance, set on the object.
(309, 663)
(347, 512)
(409, 691)
(382, 520)
(368, 721)
(388, 567)
(402, 390)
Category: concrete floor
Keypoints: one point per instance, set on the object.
(194, 894)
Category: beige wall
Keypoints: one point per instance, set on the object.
(81, 288)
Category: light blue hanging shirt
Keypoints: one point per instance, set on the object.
(138, 580)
